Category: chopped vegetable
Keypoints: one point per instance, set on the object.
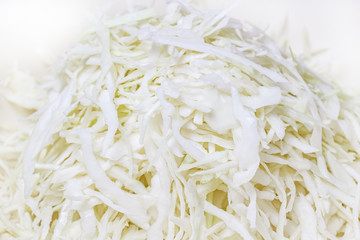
(188, 125)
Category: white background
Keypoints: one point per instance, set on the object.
(34, 32)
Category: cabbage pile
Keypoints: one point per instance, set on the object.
(187, 125)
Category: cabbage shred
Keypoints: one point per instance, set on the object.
(190, 125)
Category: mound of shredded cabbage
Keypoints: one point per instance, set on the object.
(188, 125)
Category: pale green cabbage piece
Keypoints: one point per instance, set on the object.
(190, 125)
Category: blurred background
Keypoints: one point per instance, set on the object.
(34, 32)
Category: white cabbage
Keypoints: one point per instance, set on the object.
(190, 125)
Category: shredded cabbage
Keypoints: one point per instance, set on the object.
(187, 125)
